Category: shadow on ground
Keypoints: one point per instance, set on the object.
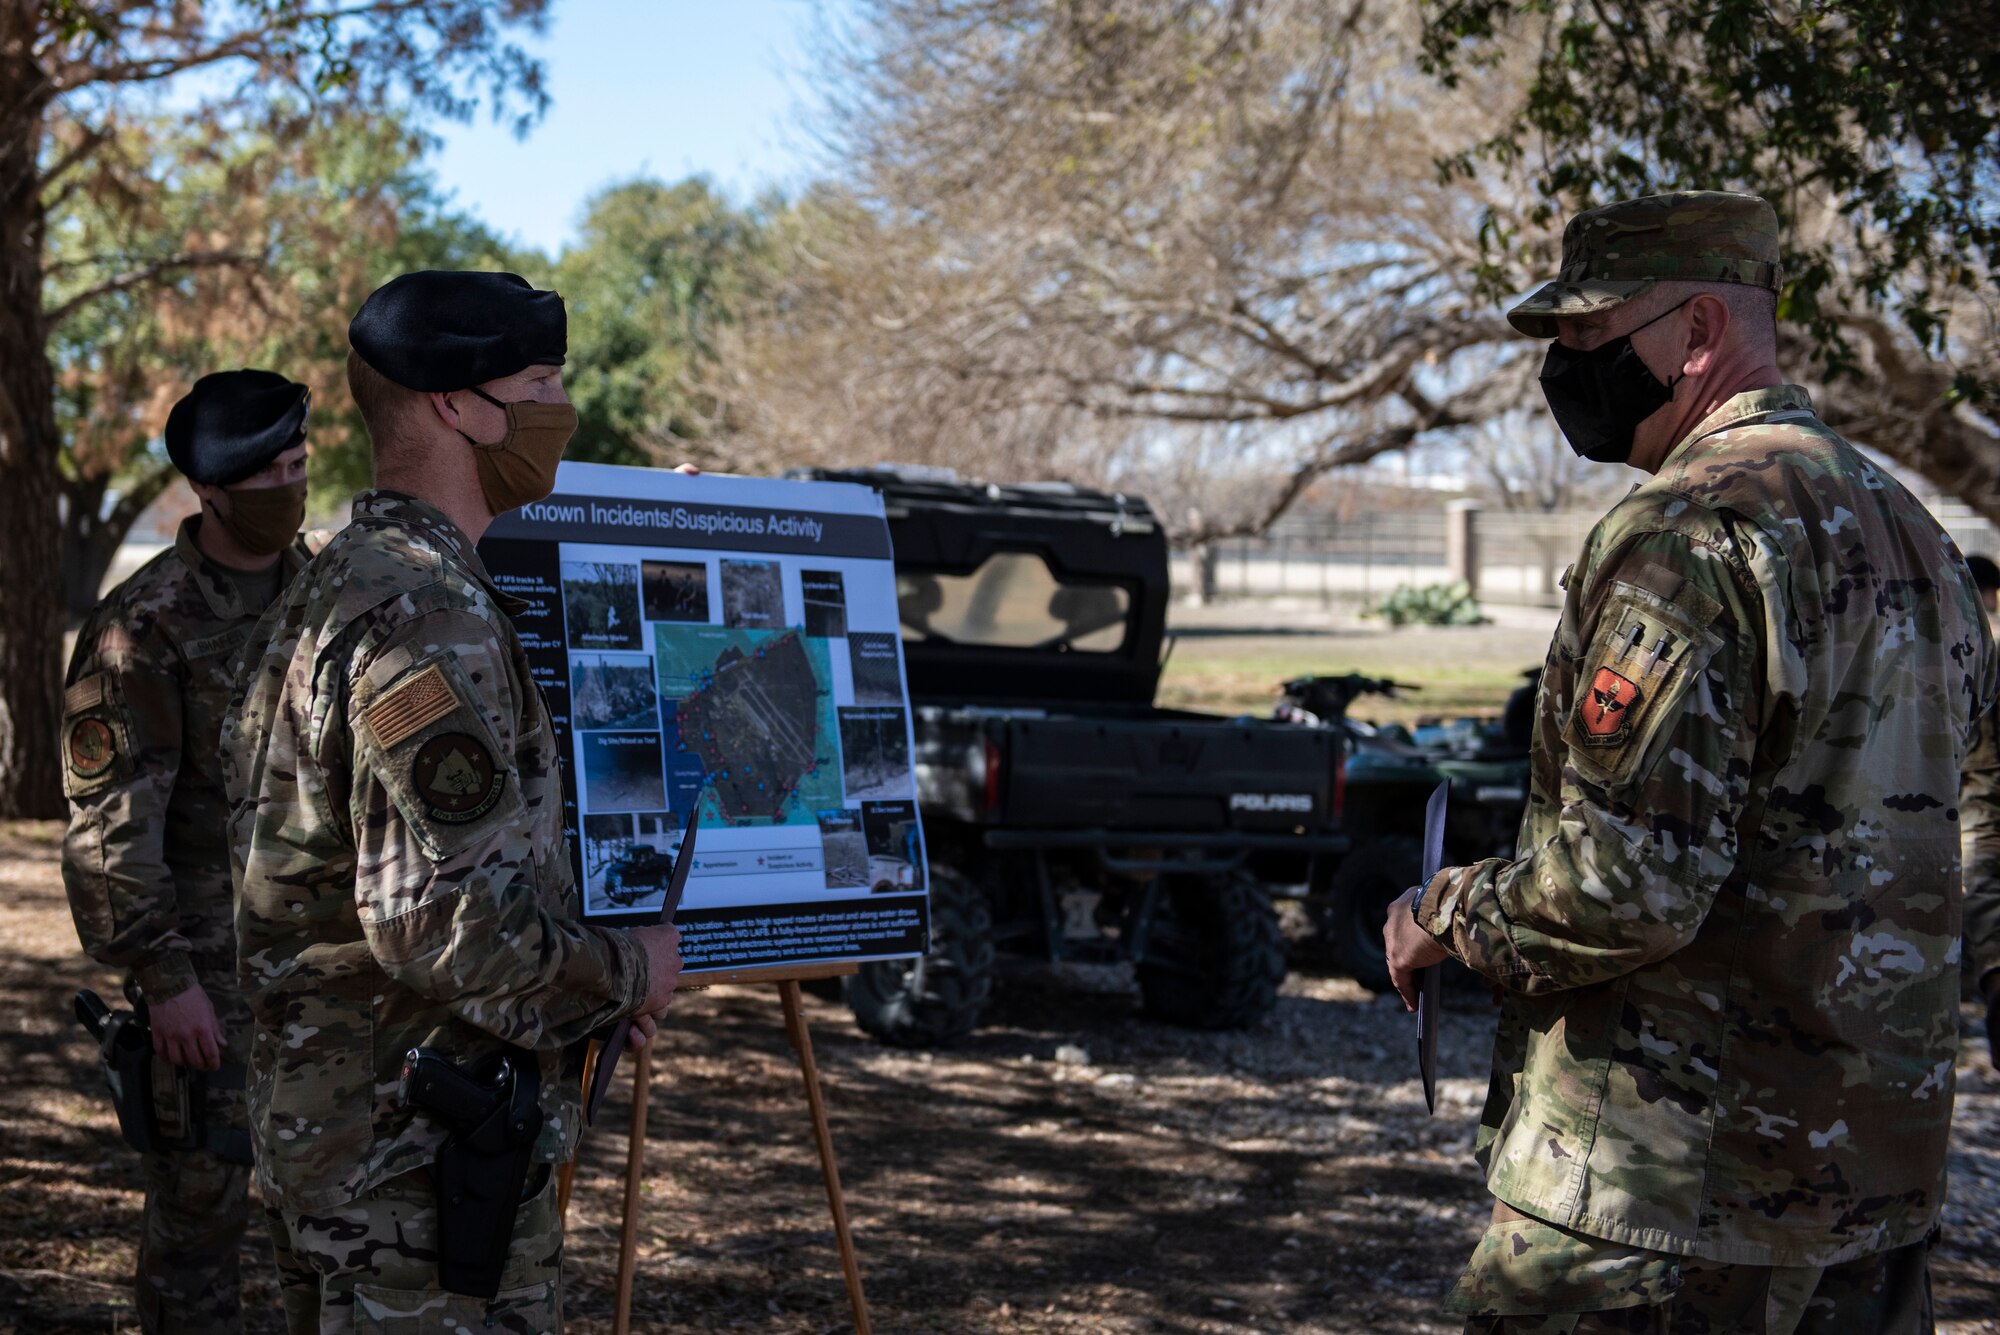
(1284, 1179)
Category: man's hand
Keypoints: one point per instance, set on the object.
(185, 1030)
(1409, 948)
(662, 944)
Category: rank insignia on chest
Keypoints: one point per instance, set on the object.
(91, 747)
(1607, 704)
(455, 775)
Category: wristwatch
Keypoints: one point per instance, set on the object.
(1417, 906)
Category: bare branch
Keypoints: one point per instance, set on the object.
(152, 272)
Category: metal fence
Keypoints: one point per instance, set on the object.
(1362, 558)
(1519, 557)
(1359, 559)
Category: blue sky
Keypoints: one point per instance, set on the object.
(666, 88)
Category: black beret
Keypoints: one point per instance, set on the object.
(233, 423)
(445, 329)
(1985, 574)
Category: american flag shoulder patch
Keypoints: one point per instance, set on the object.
(86, 694)
(410, 707)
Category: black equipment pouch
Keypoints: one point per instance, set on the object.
(482, 1168)
(160, 1106)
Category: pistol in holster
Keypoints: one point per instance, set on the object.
(482, 1168)
(161, 1107)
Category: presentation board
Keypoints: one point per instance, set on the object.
(732, 644)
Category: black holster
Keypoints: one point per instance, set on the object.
(483, 1166)
(162, 1109)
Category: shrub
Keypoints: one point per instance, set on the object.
(1432, 605)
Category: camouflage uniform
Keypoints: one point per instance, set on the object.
(147, 871)
(1729, 937)
(1979, 821)
(392, 1232)
(403, 879)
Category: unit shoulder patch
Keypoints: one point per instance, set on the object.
(91, 748)
(456, 777)
(430, 740)
(1608, 703)
(1647, 655)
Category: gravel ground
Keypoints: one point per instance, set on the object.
(1075, 1168)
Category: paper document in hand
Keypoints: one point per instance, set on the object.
(1430, 981)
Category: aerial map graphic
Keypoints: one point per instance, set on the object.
(755, 707)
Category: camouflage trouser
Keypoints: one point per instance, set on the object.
(370, 1267)
(197, 1208)
(1531, 1278)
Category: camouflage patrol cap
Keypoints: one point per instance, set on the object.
(1613, 254)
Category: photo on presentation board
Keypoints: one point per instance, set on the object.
(875, 753)
(753, 595)
(844, 849)
(633, 871)
(606, 840)
(875, 669)
(754, 709)
(612, 691)
(895, 846)
(674, 590)
(623, 771)
(601, 604)
(826, 603)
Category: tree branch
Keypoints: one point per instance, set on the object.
(146, 273)
(77, 153)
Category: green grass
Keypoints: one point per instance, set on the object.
(1461, 671)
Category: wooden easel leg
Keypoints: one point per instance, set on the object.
(566, 1178)
(795, 1028)
(635, 1177)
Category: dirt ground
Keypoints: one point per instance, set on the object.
(1150, 1180)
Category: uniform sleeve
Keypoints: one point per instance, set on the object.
(1979, 831)
(1657, 749)
(448, 865)
(121, 753)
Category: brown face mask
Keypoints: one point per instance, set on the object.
(264, 520)
(521, 466)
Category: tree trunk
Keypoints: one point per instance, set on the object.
(1202, 558)
(91, 538)
(31, 603)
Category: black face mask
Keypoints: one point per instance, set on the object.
(1599, 397)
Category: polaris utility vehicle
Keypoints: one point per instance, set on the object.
(1066, 815)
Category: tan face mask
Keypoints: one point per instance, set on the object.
(521, 466)
(264, 520)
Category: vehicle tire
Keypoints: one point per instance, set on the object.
(1214, 956)
(938, 999)
(1372, 876)
(826, 989)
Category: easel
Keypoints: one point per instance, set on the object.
(787, 978)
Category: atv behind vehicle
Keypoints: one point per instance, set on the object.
(1385, 779)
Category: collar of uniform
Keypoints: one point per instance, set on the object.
(404, 508)
(1745, 409)
(218, 590)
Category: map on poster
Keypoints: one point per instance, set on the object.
(729, 645)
